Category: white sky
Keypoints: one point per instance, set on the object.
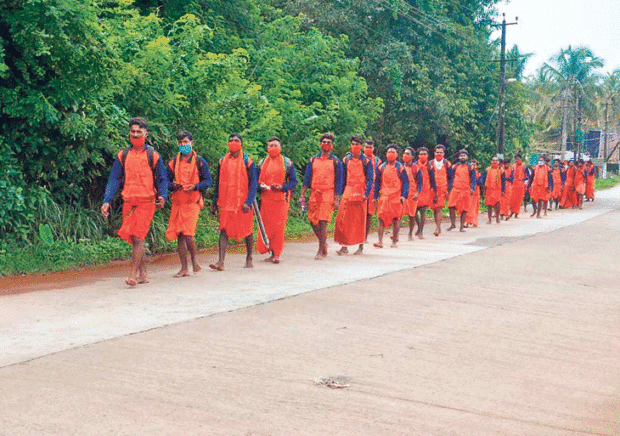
(546, 26)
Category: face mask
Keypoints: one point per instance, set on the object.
(541, 163)
(406, 158)
(356, 149)
(185, 149)
(368, 152)
(326, 147)
(423, 159)
(137, 142)
(391, 156)
(234, 146)
(274, 151)
(438, 156)
(494, 164)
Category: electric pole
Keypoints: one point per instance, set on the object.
(502, 86)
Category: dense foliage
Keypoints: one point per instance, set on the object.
(73, 72)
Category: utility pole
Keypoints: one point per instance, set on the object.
(502, 86)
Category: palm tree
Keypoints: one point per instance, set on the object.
(574, 73)
(609, 93)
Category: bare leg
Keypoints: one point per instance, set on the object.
(412, 221)
(380, 230)
(497, 213)
(137, 259)
(359, 250)
(222, 244)
(323, 231)
(452, 218)
(193, 253)
(368, 222)
(535, 207)
(182, 250)
(462, 229)
(395, 232)
(249, 245)
(539, 207)
(437, 215)
(489, 213)
(421, 221)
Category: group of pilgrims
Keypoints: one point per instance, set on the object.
(358, 186)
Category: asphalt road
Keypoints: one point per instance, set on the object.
(509, 329)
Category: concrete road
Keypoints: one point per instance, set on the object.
(509, 329)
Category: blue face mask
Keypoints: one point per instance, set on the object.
(185, 149)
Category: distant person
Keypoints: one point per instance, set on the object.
(415, 187)
(541, 186)
(556, 174)
(427, 194)
(461, 190)
(369, 152)
(393, 188)
(440, 167)
(569, 198)
(277, 180)
(518, 186)
(190, 177)
(235, 191)
(473, 211)
(504, 207)
(580, 183)
(494, 185)
(140, 172)
(350, 226)
(590, 180)
(323, 177)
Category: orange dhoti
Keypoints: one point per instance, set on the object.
(440, 199)
(516, 198)
(350, 226)
(539, 193)
(137, 218)
(183, 220)
(410, 206)
(275, 215)
(471, 216)
(460, 199)
(389, 208)
(504, 203)
(238, 224)
(320, 206)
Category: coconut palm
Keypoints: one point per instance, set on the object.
(573, 70)
(609, 101)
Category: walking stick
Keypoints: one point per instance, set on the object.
(261, 226)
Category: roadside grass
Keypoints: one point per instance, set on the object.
(607, 183)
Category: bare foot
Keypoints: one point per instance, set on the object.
(319, 255)
(269, 259)
(436, 232)
(462, 230)
(131, 282)
(276, 259)
(452, 227)
(420, 236)
(359, 251)
(217, 266)
(489, 222)
(377, 245)
(343, 250)
(141, 280)
(394, 245)
(196, 269)
(248, 263)
(410, 238)
(182, 273)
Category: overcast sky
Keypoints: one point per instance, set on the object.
(546, 26)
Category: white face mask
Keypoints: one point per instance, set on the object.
(541, 162)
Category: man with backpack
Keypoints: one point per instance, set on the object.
(190, 177)
(140, 171)
(235, 190)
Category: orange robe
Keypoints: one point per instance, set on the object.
(274, 205)
(460, 196)
(471, 217)
(138, 195)
(441, 183)
(410, 206)
(186, 206)
(321, 201)
(425, 199)
(590, 182)
(372, 208)
(568, 192)
(389, 205)
(504, 204)
(233, 190)
(350, 228)
(557, 184)
(580, 181)
(518, 189)
(493, 186)
(540, 184)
